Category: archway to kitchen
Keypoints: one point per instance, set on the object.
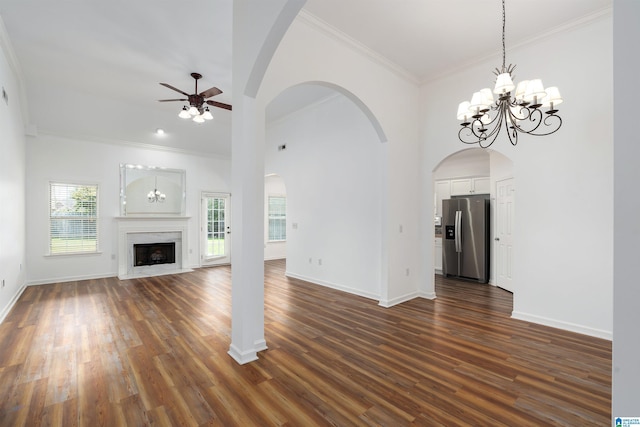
(480, 172)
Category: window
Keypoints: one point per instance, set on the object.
(277, 218)
(73, 217)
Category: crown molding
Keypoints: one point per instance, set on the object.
(133, 144)
(566, 27)
(330, 31)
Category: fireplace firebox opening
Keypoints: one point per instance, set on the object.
(154, 253)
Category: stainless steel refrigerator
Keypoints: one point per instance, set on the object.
(465, 242)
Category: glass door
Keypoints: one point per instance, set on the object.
(215, 229)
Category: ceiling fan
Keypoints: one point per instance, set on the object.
(197, 108)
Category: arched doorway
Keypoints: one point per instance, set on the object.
(478, 171)
(322, 141)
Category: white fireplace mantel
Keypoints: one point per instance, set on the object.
(130, 226)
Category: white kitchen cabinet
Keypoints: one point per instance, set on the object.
(481, 185)
(470, 186)
(442, 192)
(437, 260)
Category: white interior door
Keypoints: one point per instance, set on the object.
(215, 229)
(504, 233)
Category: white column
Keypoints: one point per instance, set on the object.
(247, 271)
(626, 233)
(258, 27)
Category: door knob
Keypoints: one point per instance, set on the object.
(497, 239)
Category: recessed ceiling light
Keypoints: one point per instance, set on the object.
(159, 131)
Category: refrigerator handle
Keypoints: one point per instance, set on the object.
(458, 231)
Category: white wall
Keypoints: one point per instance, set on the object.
(331, 168)
(54, 158)
(464, 164)
(273, 186)
(392, 101)
(12, 182)
(563, 261)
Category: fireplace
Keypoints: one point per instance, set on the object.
(152, 246)
(154, 253)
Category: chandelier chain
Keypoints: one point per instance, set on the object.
(504, 55)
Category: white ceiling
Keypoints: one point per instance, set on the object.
(429, 37)
(92, 68)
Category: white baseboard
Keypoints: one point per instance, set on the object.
(333, 286)
(242, 357)
(567, 326)
(427, 295)
(398, 300)
(71, 278)
(5, 312)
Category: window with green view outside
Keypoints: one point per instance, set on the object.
(73, 217)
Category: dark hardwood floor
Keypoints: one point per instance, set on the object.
(153, 351)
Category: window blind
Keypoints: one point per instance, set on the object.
(73, 217)
(277, 207)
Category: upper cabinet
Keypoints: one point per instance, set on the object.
(470, 186)
(442, 192)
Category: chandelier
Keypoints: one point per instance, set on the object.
(155, 195)
(520, 112)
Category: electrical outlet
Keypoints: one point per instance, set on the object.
(310, 260)
(3, 283)
(407, 272)
(319, 261)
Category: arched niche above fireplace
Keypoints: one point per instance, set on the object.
(138, 181)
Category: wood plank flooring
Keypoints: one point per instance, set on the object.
(153, 351)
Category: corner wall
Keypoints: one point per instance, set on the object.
(13, 263)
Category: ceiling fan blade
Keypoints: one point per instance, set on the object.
(167, 100)
(176, 89)
(219, 105)
(210, 92)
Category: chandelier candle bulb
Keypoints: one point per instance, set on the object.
(553, 98)
(535, 92)
(463, 111)
(487, 97)
(521, 90)
(504, 84)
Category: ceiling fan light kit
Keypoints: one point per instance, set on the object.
(482, 117)
(197, 110)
